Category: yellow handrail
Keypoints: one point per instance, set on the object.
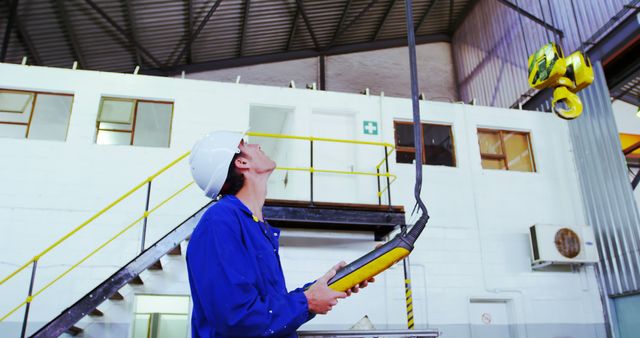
(314, 170)
(14, 310)
(79, 227)
(311, 169)
(74, 266)
(385, 158)
(322, 139)
(144, 214)
(147, 213)
(387, 187)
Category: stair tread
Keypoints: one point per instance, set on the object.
(96, 313)
(116, 296)
(136, 281)
(177, 251)
(74, 330)
(156, 266)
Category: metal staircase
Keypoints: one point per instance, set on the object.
(108, 289)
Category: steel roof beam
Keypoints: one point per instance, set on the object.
(384, 19)
(295, 55)
(465, 13)
(342, 18)
(307, 23)
(245, 21)
(122, 32)
(340, 32)
(294, 26)
(197, 32)
(451, 15)
(532, 17)
(25, 38)
(134, 29)
(424, 16)
(76, 50)
(13, 9)
(189, 25)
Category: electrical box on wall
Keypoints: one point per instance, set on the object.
(553, 244)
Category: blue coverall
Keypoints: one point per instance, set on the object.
(236, 279)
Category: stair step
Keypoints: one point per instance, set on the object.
(96, 313)
(136, 281)
(156, 266)
(74, 330)
(177, 251)
(116, 296)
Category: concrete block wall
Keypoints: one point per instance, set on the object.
(473, 257)
(384, 70)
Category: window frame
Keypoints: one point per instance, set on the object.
(31, 97)
(134, 117)
(34, 97)
(503, 156)
(424, 155)
(404, 149)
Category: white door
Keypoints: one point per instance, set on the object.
(489, 319)
(334, 156)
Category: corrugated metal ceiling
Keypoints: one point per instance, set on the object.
(118, 35)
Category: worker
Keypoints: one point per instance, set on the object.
(235, 275)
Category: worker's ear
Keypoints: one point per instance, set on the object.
(242, 163)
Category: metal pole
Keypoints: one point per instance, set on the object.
(323, 78)
(144, 222)
(379, 194)
(386, 164)
(26, 309)
(635, 181)
(311, 172)
(407, 289)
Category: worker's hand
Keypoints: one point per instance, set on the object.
(320, 297)
(362, 285)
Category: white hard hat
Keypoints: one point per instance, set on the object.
(210, 159)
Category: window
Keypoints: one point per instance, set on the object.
(34, 115)
(438, 147)
(134, 122)
(506, 150)
(161, 316)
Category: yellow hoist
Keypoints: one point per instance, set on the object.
(548, 68)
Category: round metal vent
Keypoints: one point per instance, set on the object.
(567, 243)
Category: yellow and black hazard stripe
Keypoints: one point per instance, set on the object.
(409, 299)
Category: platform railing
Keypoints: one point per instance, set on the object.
(388, 150)
(32, 293)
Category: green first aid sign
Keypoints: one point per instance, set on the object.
(370, 127)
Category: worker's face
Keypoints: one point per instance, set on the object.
(253, 158)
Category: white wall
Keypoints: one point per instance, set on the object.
(475, 247)
(627, 123)
(626, 119)
(380, 70)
